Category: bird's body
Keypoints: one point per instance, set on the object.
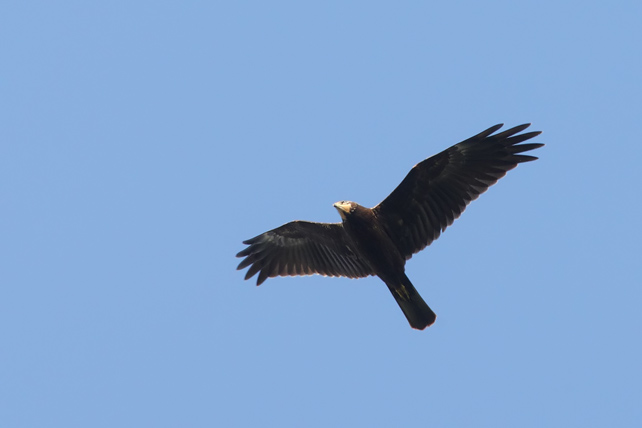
(378, 241)
(369, 238)
(384, 259)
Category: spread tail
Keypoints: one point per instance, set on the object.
(417, 312)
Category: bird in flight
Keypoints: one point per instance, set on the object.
(378, 241)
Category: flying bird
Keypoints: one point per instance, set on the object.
(378, 241)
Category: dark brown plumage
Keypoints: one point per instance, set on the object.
(378, 241)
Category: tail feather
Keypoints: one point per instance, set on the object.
(417, 312)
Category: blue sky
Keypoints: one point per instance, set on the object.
(141, 142)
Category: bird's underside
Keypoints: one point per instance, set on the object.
(378, 241)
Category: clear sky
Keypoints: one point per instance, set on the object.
(141, 142)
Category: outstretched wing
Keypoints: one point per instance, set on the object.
(302, 248)
(437, 190)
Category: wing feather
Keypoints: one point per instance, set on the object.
(302, 248)
(437, 190)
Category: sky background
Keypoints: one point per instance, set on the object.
(141, 142)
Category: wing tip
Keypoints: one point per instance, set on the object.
(525, 158)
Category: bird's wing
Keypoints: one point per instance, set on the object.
(437, 190)
(302, 248)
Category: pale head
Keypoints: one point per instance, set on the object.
(345, 208)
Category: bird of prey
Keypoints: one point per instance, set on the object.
(378, 241)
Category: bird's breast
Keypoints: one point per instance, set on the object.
(374, 246)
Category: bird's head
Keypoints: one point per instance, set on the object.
(345, 208)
